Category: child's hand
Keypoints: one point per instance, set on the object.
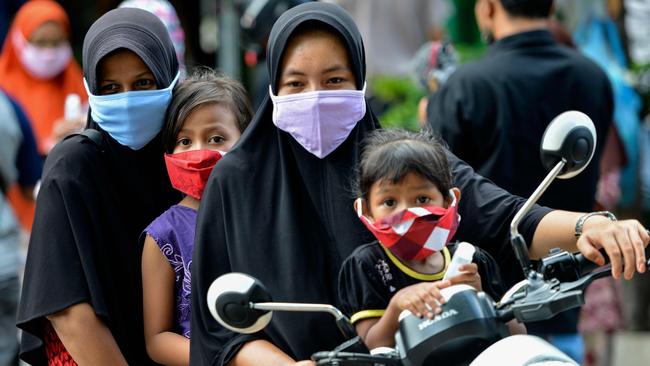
(422, 298)
(468, 275)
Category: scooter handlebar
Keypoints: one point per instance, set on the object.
(585, 265)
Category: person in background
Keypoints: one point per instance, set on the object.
(493, 116)
(37, 70)
(165, 11)
(20, 166)
(207, 116)
(432, 65)
(82, 292)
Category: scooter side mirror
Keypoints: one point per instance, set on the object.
(570, 136)
(229, 300)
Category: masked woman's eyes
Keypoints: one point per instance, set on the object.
(335, 80)
(293, 84)
(144, 84)
(109, 88)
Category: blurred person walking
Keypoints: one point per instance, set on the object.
(493, 113)
(37, 70)
(19, 164)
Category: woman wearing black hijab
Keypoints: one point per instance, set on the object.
(82, 278)
(277, 207)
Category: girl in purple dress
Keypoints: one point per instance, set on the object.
(206, 117)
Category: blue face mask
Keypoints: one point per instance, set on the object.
(132, 118)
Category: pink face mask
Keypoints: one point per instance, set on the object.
(42, 62)
(320, 120)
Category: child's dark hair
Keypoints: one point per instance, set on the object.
(391, 154)
(205, 86)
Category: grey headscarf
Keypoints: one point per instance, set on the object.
(136, 30)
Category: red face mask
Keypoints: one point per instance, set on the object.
(189, 171)
(417, 232)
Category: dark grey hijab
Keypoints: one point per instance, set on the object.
(136, 30)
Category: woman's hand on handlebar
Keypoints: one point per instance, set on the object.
(468, 275)
(624, 241)
(420, 299)
(305, 363)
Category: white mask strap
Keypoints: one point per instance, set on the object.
(358, 203)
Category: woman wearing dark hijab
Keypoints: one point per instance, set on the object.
(277, 206)
(82, 294)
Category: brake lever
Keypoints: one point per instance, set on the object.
(552, 297)
(582, 283)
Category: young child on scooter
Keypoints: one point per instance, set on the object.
(206, 117)
(406, 199)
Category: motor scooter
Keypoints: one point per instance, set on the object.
(471, 328)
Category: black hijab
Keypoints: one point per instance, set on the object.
(277, 212)
(93, 204)
(273, 210)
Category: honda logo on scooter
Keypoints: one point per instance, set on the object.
(444, 315)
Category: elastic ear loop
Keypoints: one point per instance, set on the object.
(359, 204)
(454, 200)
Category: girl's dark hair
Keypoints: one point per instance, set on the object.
(392, 154)
(205, 86)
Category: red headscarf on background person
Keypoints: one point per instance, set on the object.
(42, 99)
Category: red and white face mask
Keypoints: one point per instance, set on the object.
(189, 171)
(417, 232)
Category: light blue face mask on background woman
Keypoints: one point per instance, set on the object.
(132, 118)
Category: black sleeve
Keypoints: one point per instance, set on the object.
(486, 212)
(360, 289)
(488, 269)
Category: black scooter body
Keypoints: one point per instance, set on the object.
(467, 325)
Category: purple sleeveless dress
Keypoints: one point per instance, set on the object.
(174, 231)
